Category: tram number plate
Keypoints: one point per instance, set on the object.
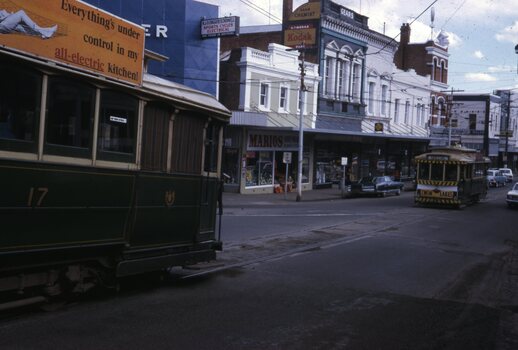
(437, 194)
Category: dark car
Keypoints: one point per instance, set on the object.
(377, 185)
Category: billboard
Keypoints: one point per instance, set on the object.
(299, 36)
(74, 33)
(216, 27)
(310, 10)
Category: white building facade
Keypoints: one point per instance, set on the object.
(264, 127)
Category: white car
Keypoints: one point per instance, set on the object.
(508, 174)
(512, 196)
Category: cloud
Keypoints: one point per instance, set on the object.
(479, 54)
(509, 33)
(479, 77)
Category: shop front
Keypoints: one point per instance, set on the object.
(264, 166)
(375, 156)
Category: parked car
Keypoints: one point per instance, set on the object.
(508, 173)
(512, 196)
(496, 178)
(377, 185)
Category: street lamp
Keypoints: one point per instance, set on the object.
(516, 52)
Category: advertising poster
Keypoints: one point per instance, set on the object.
(74, 33)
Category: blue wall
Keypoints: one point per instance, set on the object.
(192, 61)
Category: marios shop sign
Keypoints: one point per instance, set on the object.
(271, 142)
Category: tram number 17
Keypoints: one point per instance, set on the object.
(36, 196)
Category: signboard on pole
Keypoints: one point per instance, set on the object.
(76, 34)
(286, 157)
(216, 27)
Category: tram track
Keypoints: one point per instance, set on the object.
(307, 241)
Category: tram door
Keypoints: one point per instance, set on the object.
(166, 205)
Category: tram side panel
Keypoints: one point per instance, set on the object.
(166, 211)
(48, 208)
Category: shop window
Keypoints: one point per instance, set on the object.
(305, 168)
(211, 147)
(259, 169)
(230, 165)
(69, 118)
(20, 94)
(117, 126)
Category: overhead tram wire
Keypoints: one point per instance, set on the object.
(394, 38)
(261, 11)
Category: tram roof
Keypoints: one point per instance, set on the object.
(179, 94)
(185, 95)
(453, 154)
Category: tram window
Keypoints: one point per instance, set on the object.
(469, 171)
(117, 126)
(437, 172)
(451, 172)
(69, 117)
(424, 171)
(211, 147)
(479, 170)
(20, 95)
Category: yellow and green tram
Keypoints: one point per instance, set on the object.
(451, 176)
(101, 179)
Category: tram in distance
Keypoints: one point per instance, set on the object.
(451, 176)
(102, 179)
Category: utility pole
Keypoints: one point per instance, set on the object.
(450, 109)
(486, 127)
(302, 100)
(301, 123)
(508, 116)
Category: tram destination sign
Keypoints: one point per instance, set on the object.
(438, 157)
(76, 34)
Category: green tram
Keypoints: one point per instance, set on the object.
(101, 179)
(451, 176)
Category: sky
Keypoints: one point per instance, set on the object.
(482, 33)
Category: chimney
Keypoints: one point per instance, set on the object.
(287, 9)
(405, 34)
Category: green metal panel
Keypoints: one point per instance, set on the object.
(209, 198)
(167, 210)
(45, 205)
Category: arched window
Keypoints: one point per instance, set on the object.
(372, 88)
(434, 68)
(444, 72)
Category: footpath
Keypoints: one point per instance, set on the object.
(237, 200)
